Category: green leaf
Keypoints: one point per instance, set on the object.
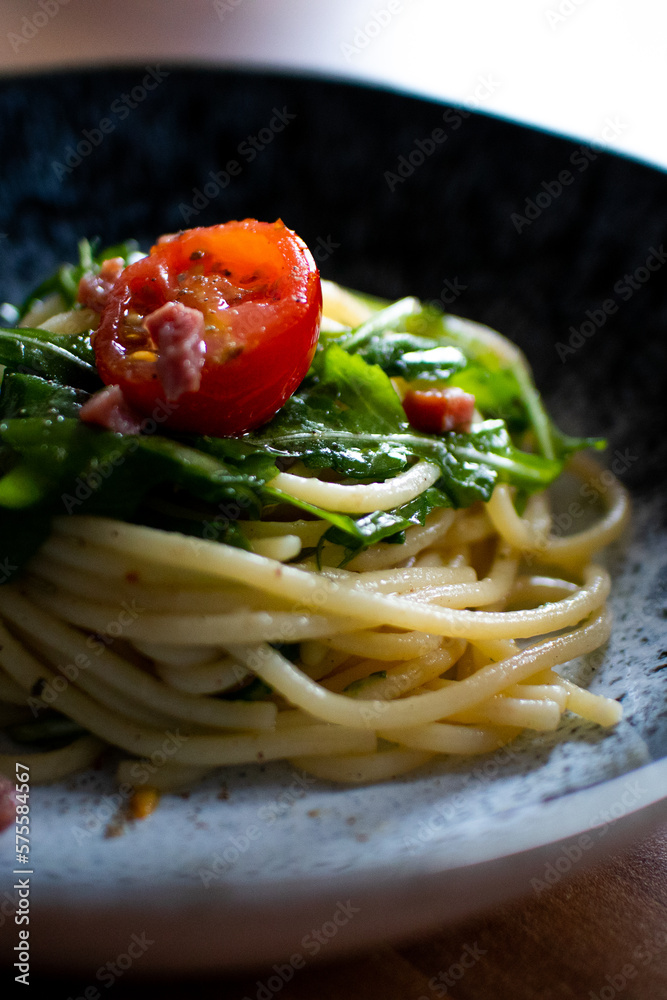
(65, 466)
(565, 445)
(417, 510)
(387, 525)
(409, 356)
(392, 317)
(256, 690)
(496, 390)
(22, 532)
(31, 396)
(356, 687)
(361, 393)
(240, 454)
(35, 352)
(52, 729)
(349, 418)
(345, 417)
(65, 281)
(325, 422)
(347, 525)
(424, 345)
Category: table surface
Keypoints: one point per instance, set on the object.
(596, 936)
(576, 66)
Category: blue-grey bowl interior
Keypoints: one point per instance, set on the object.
(557, 244)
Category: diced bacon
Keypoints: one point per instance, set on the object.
(436, 411)
(178, 332)
(110, 409)
(94, 288)
(7, 803)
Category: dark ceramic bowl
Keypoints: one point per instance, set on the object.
(556, 244)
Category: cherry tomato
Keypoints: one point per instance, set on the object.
(220, 323)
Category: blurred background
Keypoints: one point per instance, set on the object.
(592, 69)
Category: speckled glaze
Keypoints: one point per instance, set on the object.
(242, 869)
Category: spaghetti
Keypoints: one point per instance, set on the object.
(357, 664)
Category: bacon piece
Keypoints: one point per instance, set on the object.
(94, 288)
(7, 803)
(437, 411)
(110, 409)
(178, 332)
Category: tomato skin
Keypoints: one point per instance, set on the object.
(259, 291)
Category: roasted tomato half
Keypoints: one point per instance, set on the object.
(219, 323)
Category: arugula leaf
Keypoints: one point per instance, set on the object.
(501, 380)
(37, 352)
(350, 419)
(362, 392)
(386, 525)
(65, 281)
(408, 356)
(216, 526)
(346, 525)
(392, 317)
(61, 465)
(74, 466)
(239, 453)
(323, 423)
(51, 731)
(565, 445)
(315, 433)
(356, 687)
(496, 391)
(346, 416)
(256, 690)
(31, 396)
